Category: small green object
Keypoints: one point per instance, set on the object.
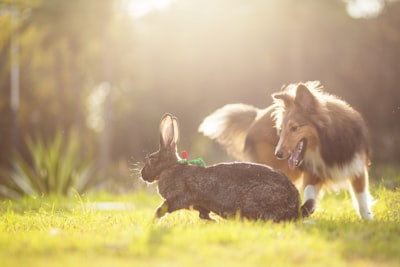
(196, 161)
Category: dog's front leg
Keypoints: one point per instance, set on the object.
(362, 196)
(312, 186)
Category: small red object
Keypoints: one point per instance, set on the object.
(184, 154)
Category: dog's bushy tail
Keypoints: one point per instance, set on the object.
(307, 208)
(228, 126)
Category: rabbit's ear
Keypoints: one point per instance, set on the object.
(167, 135)
(176, 129)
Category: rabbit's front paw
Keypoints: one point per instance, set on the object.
(162, 210)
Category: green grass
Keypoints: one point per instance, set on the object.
(83, 231)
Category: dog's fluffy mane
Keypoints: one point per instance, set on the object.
(333, 118)
(315, 87)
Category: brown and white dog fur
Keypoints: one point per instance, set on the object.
(324, 139)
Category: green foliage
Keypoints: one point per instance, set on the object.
(54, 169)
(105, 230)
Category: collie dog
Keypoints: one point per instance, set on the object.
(323, 139)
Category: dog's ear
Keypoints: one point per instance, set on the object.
(283, 97)
(305, 99)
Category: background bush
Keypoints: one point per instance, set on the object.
(54, 168)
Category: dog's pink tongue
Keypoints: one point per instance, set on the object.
(294, 157)
(292, 163)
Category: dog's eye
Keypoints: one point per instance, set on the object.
(294, 128)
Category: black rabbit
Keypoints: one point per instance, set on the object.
(252, 191)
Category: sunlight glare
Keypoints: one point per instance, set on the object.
(364, 8)
(94, 106)
(140, 8)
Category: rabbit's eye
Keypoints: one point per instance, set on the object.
(153, 157)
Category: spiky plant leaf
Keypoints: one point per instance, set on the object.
(56, 168)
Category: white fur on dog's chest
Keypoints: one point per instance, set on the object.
(314, 163)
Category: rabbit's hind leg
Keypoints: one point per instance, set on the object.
(203, 213)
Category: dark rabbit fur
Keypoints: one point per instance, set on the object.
(252, 191)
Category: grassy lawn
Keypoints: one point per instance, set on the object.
(91, 231)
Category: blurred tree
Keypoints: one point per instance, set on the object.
(59, 46)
